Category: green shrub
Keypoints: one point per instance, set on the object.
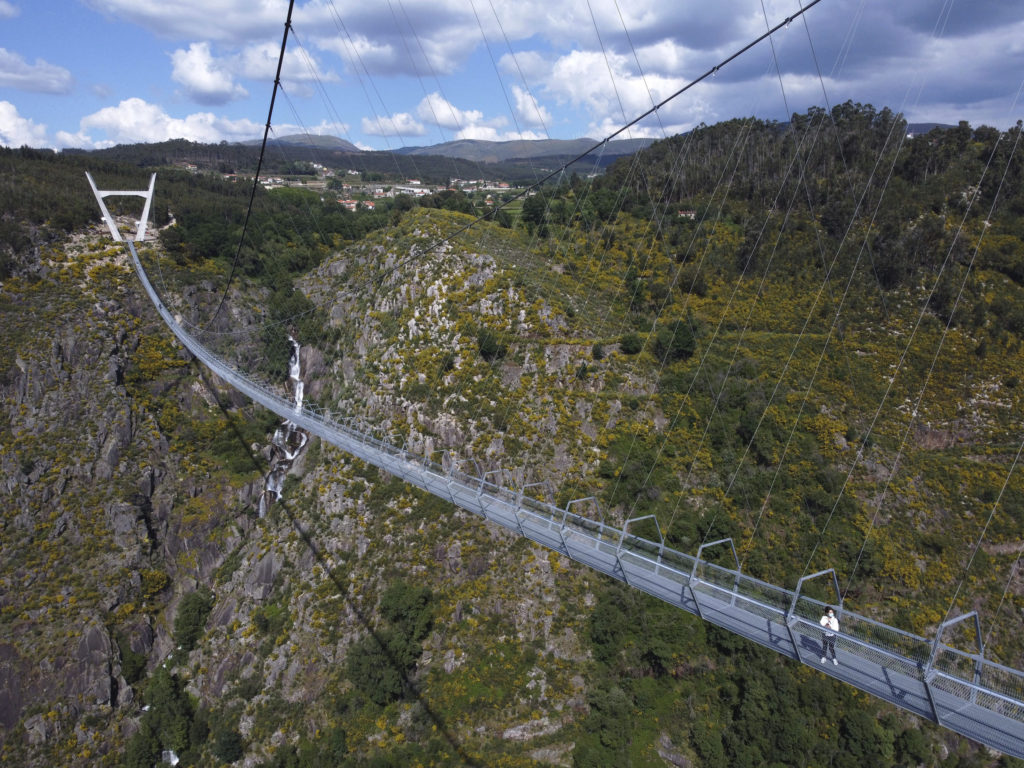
(630, 344)
(674, 341)
(133, 665)
(168, 721)
(490, 345)
(271, 619)
(143, 750)
(228, 745)
(153, 583)
(374, 670)
(190, 620)
(379, 664)
(248, 687)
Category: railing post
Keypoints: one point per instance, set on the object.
(622, 536)
(519, 502)
(979, 659)
(542, 484)
(791, 619)
(452, 461)
(561, 531)
(478, 477)
(580, 501)
(476, 465)
(483, 482)
(979, 662)
(566, 515)
(694, 578)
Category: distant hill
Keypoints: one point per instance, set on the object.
(309, 140)
(917, 128)
(475, 150)
(502, 151)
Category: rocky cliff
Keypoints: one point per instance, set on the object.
(130, 481)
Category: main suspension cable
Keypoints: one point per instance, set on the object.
(259, 165)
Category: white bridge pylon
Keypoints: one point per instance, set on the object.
(147, 194)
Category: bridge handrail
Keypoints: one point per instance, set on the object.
(721, 589)
(659, 564)
(852, 638)
(980, 689)
(857, 620)
(972, 658)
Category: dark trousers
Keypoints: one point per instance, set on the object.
(828, 646)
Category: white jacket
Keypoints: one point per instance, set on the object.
(830, 623)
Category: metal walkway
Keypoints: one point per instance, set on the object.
(959, 690)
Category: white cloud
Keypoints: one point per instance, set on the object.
(398, 124)
(360, 54)
(668, 56)
(206, 80)
(490, 133)
(426, 38)
(259, 62)
(81, 140)
(442, 50)
(437, 110)
(519, 19)
(41, 77)
(582, 78)
(560, 85)
(324, 128)
(222, 20)
(434, 109)
(606, 87)
(211, 80)
(135, 120)
(529, 110)
(532, 65)
(17, 131)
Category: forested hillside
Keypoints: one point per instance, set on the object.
(805, 337)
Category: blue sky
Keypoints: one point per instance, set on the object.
(392, 73)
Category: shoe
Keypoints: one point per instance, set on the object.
(823, 659)
(836, 662)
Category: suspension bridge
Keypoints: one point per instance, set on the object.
(956, 688)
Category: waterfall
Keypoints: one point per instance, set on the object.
(288, 440)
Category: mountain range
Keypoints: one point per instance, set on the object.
(475, 150)
(481, 151)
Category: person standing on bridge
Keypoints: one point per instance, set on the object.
(828, 639)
